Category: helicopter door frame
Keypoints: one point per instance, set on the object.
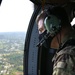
(31, 51)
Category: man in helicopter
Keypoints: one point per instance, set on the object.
(55, 24)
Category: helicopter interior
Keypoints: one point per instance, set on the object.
(38, 61)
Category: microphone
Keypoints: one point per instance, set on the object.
(41, 42)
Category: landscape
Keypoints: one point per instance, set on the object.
(11, 53)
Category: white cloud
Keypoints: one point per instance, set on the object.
(15, 15)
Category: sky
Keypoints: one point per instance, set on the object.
(15, 15)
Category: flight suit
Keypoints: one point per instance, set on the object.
(64, 59)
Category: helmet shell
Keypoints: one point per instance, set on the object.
(52, 24)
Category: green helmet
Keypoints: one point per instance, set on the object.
(52, 24)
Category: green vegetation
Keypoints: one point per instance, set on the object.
(11, 53)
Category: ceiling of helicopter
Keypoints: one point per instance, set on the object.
(51, 1)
